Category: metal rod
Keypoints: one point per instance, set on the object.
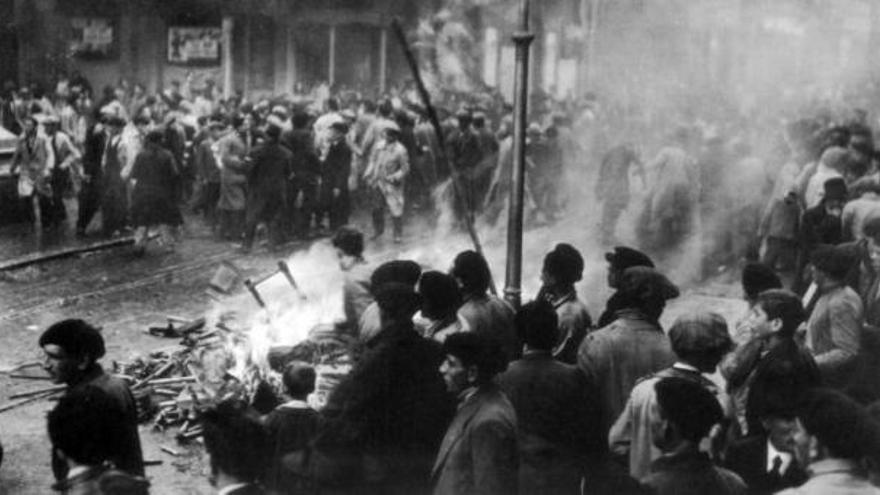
(458, 189)
(254, 292)
(522, 38)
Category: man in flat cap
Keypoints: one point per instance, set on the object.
(72, 349)
(619, 260)
(834, 330)
(699, 341)
(335, 172)
(634, 345)
(386, 175)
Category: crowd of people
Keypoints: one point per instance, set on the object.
(298, 165)
(454, 391)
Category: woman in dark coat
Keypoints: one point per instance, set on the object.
(154, 202)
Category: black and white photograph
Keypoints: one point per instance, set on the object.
(440, 247)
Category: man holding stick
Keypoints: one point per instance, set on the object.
(72, 348)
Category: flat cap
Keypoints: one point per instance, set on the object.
(624, 257)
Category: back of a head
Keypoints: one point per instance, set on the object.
(839, 423)
(474, 349)
(565, 263)
(350, 241)
(235, 441)
(785, 305)
(472, 270)
(700, 334)
(76, 337)
(645, 285)
(758, 277)
(689, 406)
(85, 425)
(300, 120)
(440, 294)
(405, 272)
(834, 261)
(536, 325)
(299, 379)
(397, 301)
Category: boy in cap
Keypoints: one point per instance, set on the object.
(699, 341)
(687, 413)
(834, 330)
(563, 267)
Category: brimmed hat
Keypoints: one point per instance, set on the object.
(624, 257)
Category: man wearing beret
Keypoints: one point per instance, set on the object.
(834, 330)
(72, 348)
(619, 260)
(699, 341)
(634, 345)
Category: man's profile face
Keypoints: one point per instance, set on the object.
(781, 433)
(454, 374)
(61, 366)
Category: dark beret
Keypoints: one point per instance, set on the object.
(397, 298)
(644, 284)
(76, 337)
(624, 257)
(833, 260)
(758, 277)
(401, 271)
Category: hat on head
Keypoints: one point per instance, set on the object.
(833, 260)
(76, 337)
(115, 121)
(340, 127)
(624, 257)
(391, 126)
(689, 406)
(405, 272)
(700, 333)
(397, 298)
(644, 284)
(758, 277)
(835, 189)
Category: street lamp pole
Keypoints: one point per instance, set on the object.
(522, 38)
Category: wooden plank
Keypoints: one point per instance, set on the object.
(41, 257)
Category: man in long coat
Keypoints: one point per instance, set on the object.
(267, 187)
(233, 151)
(386, 173)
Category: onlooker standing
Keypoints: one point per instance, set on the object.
(335, 173)
(619, 260)
(236, 444)
(832, 436)
(834, 330)
(233, 150)
(154, 175)
(481, 312)
(82, 429)
(290, 428)
(32, 162)
(441, 300)
(72, 348)
(562, 268)
(114, 199)
(699, 341)
(557, 409)
(479, 454)
(386, 173)
(687, 412)
(66, 156)
(270, 166)
(634, 345)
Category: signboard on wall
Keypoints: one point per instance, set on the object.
(199, 45)
(92, 37)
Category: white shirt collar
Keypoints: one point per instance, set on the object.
(772, 454)
(685, 367)
(231, 488)
(296, 404)
(76, 471)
